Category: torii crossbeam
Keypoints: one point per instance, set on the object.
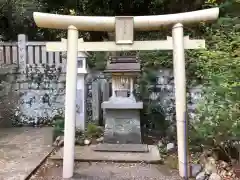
(124, 29)
(136, 46)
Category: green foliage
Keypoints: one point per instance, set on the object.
(152, 115)
(155, 59)
(16, 18)
(58, 126)
(218, 113)
(97, 61)
(93, 131)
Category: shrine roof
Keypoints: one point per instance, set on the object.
(123, 64)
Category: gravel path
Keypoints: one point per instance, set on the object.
(107, 171)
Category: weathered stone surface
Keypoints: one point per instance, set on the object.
(121, 148)
(86, 153)
(22, 150)
(108, 171)
(41, 95)
(96, 106)
(122, 105)
(122, 126)
(36, 81)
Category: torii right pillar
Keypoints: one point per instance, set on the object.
(180, 98)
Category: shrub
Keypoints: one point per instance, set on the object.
(218, 114)
(58, 126)
(93, 131)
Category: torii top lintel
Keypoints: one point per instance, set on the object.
(104, 23)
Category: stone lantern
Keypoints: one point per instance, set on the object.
(82, 70)
(122, 124)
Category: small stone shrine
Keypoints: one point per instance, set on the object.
(122, 124)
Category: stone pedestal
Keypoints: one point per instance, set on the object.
(122, 124)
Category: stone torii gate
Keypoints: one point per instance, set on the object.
(124, 41)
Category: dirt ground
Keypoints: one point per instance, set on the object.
(107, 171)
(22, 149)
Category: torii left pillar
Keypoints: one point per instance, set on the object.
(70, 102)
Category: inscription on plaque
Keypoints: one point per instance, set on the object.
(124, 30)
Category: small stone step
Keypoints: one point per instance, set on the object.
(87, 154)
(121, 148)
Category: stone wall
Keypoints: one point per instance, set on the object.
(7, 98)
(41, 92)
